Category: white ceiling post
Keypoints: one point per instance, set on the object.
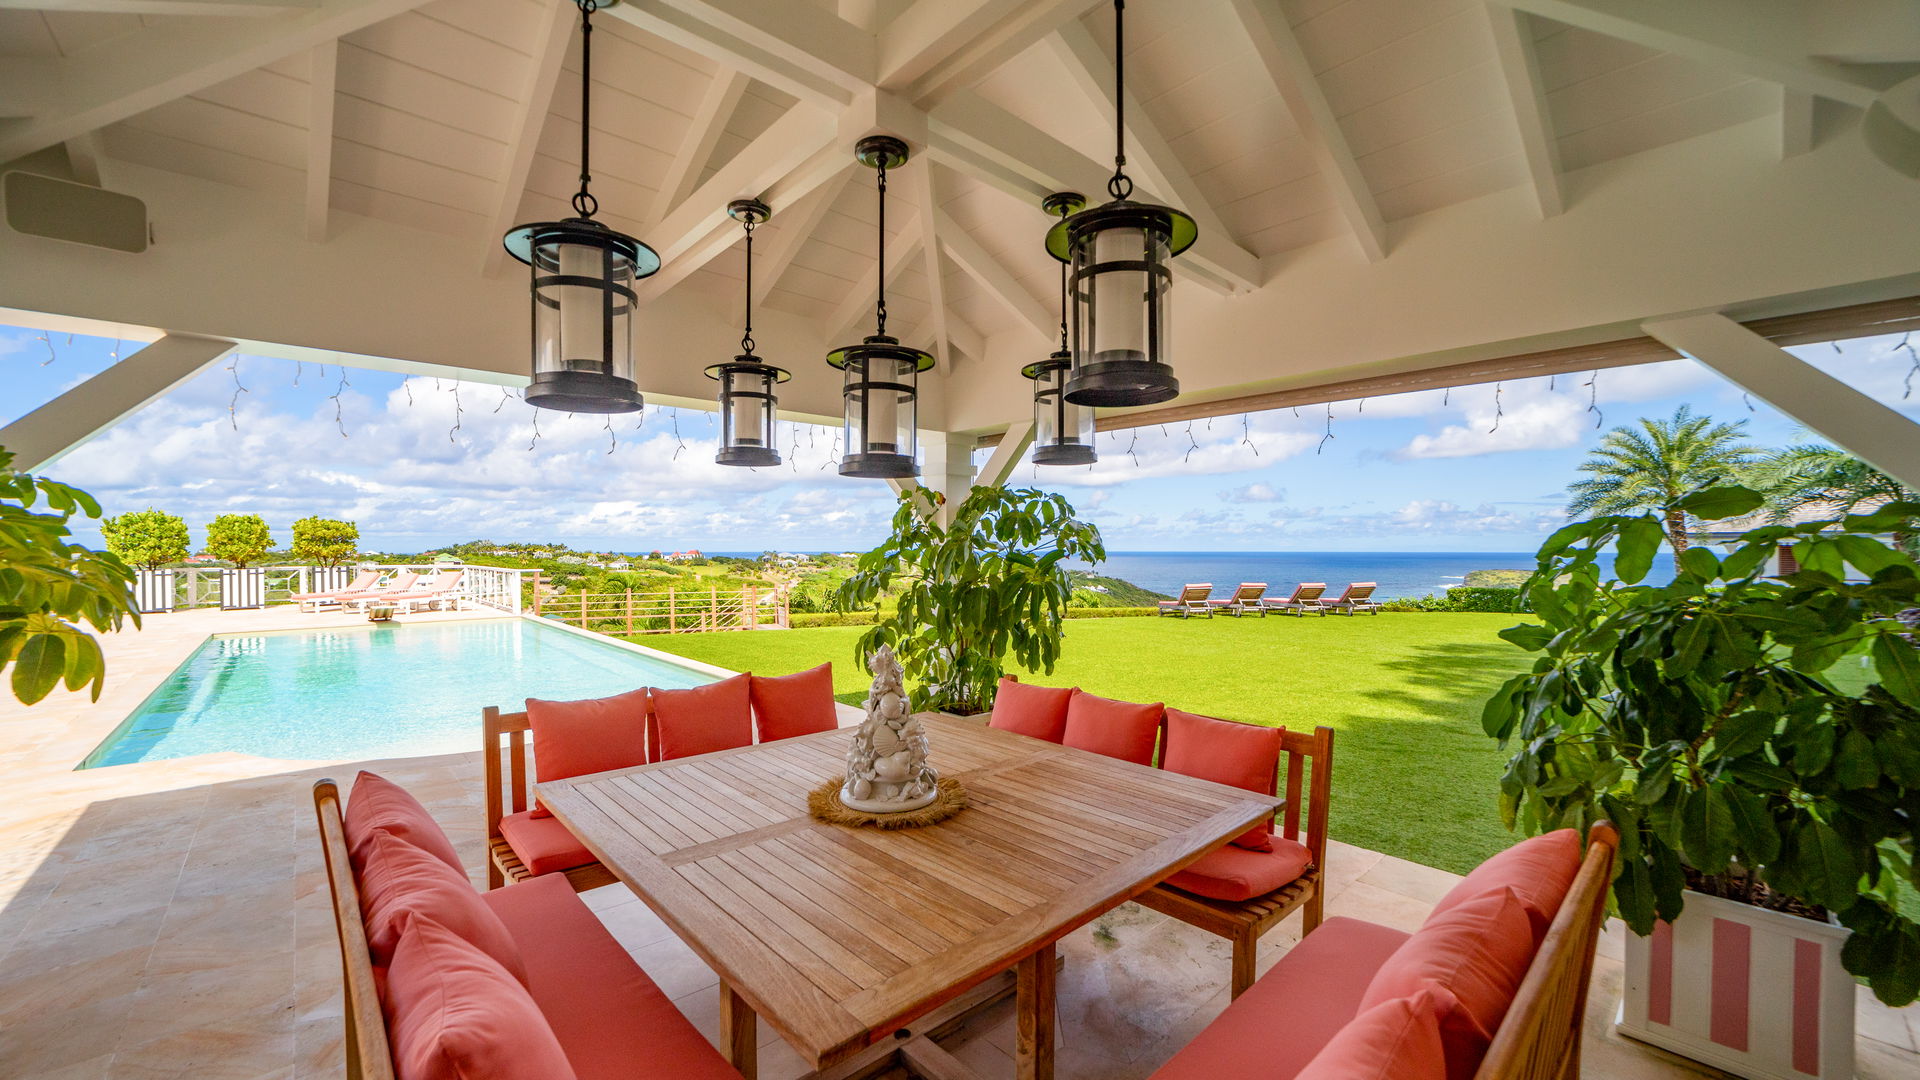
(41, 437)
(1875, 432)
(323, 65)
(1006, 454)
(948, 469)
(1520, 66)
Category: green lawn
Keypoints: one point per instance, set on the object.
(1413, 774)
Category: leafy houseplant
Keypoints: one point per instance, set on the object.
(325, 540)
(48, 586)
(148, 539)
(989, 585)
(1752, 737)
(238, 538)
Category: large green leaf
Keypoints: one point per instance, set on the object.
(1638, 544)
(38, 667)
(1897, 663)
(1707, 830)
(1715, 503)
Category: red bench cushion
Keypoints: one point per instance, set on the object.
(1240, 755)
(1234, 873)
(1277, 1026)
(613, 1022)
(788, 706)
(1539, 871)
(1394, 1040)
(543, 844)
(577, 738)
(1478, 952)
(1118, 729)
(377, 804)
(1026, 709)
(399, 882)
(716, 716)
(455, 1014)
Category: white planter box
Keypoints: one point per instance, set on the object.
(1758, 993)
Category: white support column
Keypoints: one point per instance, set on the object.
(41, 437)
(1875, 432)
(948, 469)
(1012, 447)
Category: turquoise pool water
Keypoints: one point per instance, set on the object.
(370, 692)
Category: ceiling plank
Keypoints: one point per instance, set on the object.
(1520, 67)
(797, 223)
(796, 48)
(922, 192)
(843, 325)
(1796, 122)
(535, 100)
(1267, 28)
(129, 75)
(993, 276)
(937, 48)
(253, 8)
(322, 72)
(708, 124)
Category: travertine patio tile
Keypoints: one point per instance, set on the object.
(676, 969)
(1423, 883)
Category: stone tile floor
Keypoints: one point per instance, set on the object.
(171, 919)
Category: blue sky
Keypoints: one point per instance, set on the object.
(424, 462)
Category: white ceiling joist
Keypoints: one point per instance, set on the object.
(922, 193)
(83, 159)
(794, 226)
(844, 324)
(936, 48)
(129, 75)
(536, 98)
(163, 7)
(796, 48)
(1267, 28)
(994, 277)
(1520, 66)
(1763, 38)
(322, 71)
(703, 132)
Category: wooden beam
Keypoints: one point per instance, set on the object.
(703, 131)
(902, 247)
(1520, 66)
(750, 36)
(923, 194)
(794, 225)
(1008, 449)
(536, 99)
(322, 70)
(1267, 28)
(42, 436)
(993, 276)
(252, 8)
(950, 46)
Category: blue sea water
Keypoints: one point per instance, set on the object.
(1398, 573)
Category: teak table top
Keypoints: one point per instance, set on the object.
(839, 936)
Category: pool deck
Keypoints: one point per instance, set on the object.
(170, 918)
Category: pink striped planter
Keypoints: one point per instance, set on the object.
(1757, 993)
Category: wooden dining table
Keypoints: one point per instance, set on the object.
(856, 943)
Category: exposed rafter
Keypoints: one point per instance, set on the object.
(844, 324)
(322, 70)
(1520, 65)
(83, 159)
(130, 74)
(164, 7)
(703, 131)
(922, 192)
(936, 48)
(994, 277)
(1796, 122)
(536, 99)
(798, 48)
(793, 227)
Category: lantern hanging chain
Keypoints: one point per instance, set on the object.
(1063, 292)
(233, 403)
(1498, 412)
(584, 203)
(1119, 185)
(1593, 399)
(880, 305)
(457, 412)
(746, 337)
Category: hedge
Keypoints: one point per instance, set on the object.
(1476, 598)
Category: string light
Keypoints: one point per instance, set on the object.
(1593, 400)
(1246, 433)
(458, 412)
(298, 367)
(407, 385)
(1192, 444)
(115, 352)
(1131, 444)
(613, 441)
(51, 355)
(642, 421)
(1748, 398)
(833, 455)
(1906, 342)
(1552, 382)
(1324, 439)
(1498, 412)
(504, 398)
(536, 428)
(233, 369)
(338, 418)
(682, 443)
(1363, 406)
(1446, 397)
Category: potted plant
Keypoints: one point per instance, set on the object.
(987, 585)
(1757, 741)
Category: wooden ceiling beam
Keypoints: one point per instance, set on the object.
(993, 276)
(843, 325)
(794, 225)
(242, 8)
(923, 194)
(754, 51)
(709, 122)
(1520, 67)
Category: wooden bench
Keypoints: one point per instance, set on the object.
(507, 750)
(1243, 922)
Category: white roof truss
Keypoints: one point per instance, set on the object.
(323, 65)
(709, 123)
(1520, 67)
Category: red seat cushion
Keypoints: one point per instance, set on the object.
(455, 1014)
(788, 706)
(1277, 1026)
(1118, 729)
(377, 804)
(1539, 870)
(1478, 952)
(1236, 873)
(706, 718)
(543, 844)
(576, 738)
(1394, 1040)
(610, 1018)
(1241, 755)
(1026, 709)
(399, 883)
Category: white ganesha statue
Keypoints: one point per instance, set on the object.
(887, 770)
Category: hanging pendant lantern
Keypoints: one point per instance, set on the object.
(882, 422)
(1062, 430)
(748, 400)
(1122, 281)
(583, 277)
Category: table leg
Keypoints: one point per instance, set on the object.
(737, 1038)
(1034, 1009)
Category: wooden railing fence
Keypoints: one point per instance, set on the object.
(676, 612)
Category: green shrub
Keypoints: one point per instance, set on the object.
(325, 540)
(1475, 598)
(1107, 612)
(238, 538)
(146, 538)
(802, 620)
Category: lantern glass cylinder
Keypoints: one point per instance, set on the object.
(583, 277)
(748, 433)
(1062, 431)
(1121, 284)
(881, 421)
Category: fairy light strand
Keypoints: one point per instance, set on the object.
(1192, 444)
(458, 413)
(535, 441)
(505, 396)
(51, 354)
(613, 440)
(339, 415)
(1499, 413)
(1593, 399)
(233, 403)
(1328, 437)
(681, 444)
(1906, 342)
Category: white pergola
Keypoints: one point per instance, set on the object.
(1392, 194)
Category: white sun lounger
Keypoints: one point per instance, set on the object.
(1191, 601)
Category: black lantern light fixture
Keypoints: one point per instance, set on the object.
(880, 373)
(1121, 281)
(1062, 431)
(583, 279)
(748, 401)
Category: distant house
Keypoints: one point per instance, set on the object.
(1726, 532)
(684, 556)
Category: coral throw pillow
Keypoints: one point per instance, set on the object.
(400, 883)
(716, 716)
(1025, 709)
(453, 1013)
(1118, 729)
(788, 706)
(377, 805)
(577, 738)
(1394, 1040)
(1240, 755)
(1539, 870)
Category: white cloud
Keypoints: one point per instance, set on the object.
(1254, 492)
(1548, 424)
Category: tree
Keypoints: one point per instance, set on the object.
(48, 586)
(1827, 481)
(238, 538)
(1653, 468)
(325, 540)
(149, 539)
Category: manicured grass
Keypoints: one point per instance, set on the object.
(1413, 774)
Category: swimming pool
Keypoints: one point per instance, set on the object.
(371, 691)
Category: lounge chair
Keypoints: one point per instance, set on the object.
(401, 581)
(1357, 598)
(1191, 601)
(1306, 598)
(1244, 601)
(442, 588)
(314, 601)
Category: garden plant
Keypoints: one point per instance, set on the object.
(240, 539)
(148, 539)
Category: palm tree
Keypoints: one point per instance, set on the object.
(1826, 480)
(1653, 467)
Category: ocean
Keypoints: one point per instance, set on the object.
(1399, 573)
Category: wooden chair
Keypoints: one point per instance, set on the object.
(1243, 922)
(368, 1054)
(509, 787)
